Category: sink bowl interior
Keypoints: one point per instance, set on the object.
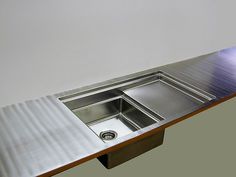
(116, 114)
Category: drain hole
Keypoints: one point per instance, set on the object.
(108, 135)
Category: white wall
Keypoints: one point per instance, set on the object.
(48, 46)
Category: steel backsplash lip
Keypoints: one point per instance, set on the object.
(122, 82)
(107, 85)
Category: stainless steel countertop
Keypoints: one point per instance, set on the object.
(42, 135)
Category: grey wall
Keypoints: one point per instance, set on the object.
(48, 46)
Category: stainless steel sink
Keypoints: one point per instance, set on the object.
(116, 110)
(112, 115)
(117, 115)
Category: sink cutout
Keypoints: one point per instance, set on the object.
(136, 103)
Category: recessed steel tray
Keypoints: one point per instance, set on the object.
(168, 96)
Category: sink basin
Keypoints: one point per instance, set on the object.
(113, 115)
(116, 115)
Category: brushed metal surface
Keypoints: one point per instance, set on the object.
(41, 135)
(117, 124)
(117, 114)
(168, 97)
